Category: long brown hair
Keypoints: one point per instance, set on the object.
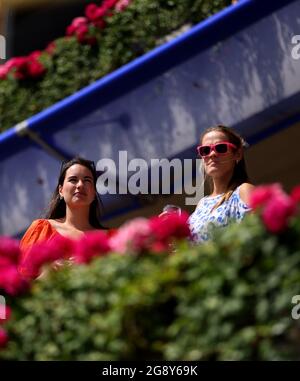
(240, 174)
(57, 206)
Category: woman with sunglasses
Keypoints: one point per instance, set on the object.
(74, 209)
(221, 150)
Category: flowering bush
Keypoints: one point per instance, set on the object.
(135, 238)
(110, 34)
(134, 297)
(81, 28)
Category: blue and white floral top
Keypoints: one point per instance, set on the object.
(232, 209)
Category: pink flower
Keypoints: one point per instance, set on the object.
(94, 13)
(24, 67)
(277, 206)
(170, 226)
(5, 313)
(3, 338)
(277, 212)
(9, 251)
(80, 29)
(35, 55)
(7, 67)
(92, 244)
(11, 281)
(35, 68)
(83, 36)
(59, 248)
(160, 246)
(132, 236)
(100, 24)
(76, 23)
(122, 5)
(5, 261)
(262, 194)
(50, 49)
(45, 252)
(108, 4)
(295, 193)
(33, 260)
(155, 234)
(18, 65)
(4, 70)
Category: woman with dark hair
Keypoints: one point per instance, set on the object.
(75, 207)
(221, 150)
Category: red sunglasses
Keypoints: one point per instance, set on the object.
(220, 148)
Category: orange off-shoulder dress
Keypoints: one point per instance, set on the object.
(39, 231)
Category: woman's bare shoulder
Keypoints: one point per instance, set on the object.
(245, 191)
(55, 223)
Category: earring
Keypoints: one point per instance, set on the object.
(61, 197)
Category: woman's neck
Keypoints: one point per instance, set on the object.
(78, 219)
(220, 185)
